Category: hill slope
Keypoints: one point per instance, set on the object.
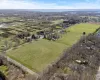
(38, 54)
(80, 62)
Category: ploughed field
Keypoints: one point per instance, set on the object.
(38, 54)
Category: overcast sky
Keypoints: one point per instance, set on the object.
(49, 4)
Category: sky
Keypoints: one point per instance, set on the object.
(49, 4)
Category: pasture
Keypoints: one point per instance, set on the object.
(38, 54)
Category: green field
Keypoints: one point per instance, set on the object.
(38, 54)
(76, 31)
(8, 19)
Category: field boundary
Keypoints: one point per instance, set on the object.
(22, 67)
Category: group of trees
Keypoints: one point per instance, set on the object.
(52, 36)
(80, 62)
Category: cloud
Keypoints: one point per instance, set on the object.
(88, 5)
(22, 4)
(12, 4)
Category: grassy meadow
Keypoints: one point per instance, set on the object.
(38, 54)
(76, 31)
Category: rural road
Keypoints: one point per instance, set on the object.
(1, 25)
(98, 74)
